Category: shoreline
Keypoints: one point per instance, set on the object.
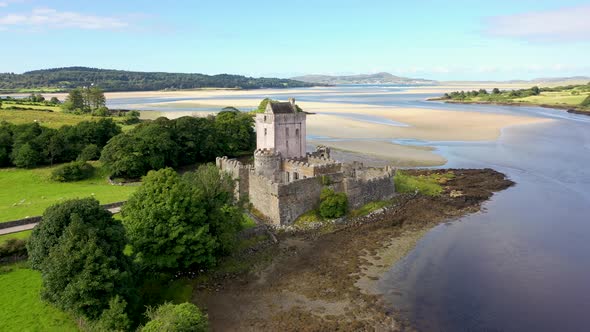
(568, 108)
(325, 279)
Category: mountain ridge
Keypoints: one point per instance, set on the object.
(377, 78)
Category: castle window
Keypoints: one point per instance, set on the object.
(287, 131)
(297, 132)
(265, 118)
(265, 131)
(295, 176)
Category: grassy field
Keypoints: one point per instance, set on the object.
(54, 119)
(19, 235)
(21, 309)
(555, 98)
(27, 192)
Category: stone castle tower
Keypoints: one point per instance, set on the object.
(281, 128)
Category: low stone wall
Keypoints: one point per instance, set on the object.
(36, 219)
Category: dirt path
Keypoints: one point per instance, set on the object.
(322, 281)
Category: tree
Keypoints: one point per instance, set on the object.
(54, 101)
(147, 147)
(25, 156)
(74, 100)
(184, 317)
(184, 222)
(332, 205)
(94, 97)
(6, 142)
(586, 102)
(90, 152)
(235, 132)
(536, 91)
(496, 91)
(114, 318)
(78, 247)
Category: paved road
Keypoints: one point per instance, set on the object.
(27, 227)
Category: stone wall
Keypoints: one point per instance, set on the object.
(238, 172)
(361, 191)
(264, 197)
(298, 197)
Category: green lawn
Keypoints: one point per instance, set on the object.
(19, 235)
(27, 192)
(21, 309)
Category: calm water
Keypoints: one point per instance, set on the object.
(522, 264)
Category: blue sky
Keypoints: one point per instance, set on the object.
(458, 40)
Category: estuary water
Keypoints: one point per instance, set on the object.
(523, 263)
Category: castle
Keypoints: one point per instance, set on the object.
(286, 181)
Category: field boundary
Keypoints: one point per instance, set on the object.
(37, 219)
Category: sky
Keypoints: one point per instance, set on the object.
(442, 40)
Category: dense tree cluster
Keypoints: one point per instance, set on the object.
(120, 80)
(30, 145)
(183, 141)
(86, 100)
(78, 248)
(179, 222)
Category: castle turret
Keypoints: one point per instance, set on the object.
(267, 163)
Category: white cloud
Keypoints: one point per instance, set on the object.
(3, 4)
(565, 24)
(51, 18)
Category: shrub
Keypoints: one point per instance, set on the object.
(13, 249)
(332, 205)
(74, 171)
(101, 111)
(185, 317)
(586, 102)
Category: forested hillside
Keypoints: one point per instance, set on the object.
(62, 79)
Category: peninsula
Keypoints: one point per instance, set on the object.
(573, 98)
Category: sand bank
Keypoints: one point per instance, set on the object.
(371, 129)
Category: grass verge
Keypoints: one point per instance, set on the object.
(21, 309)
(19, 235)
(430, 185)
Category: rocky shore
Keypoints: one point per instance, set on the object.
(323, 280)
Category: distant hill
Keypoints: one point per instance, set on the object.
(60, 79)
(379, 78)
